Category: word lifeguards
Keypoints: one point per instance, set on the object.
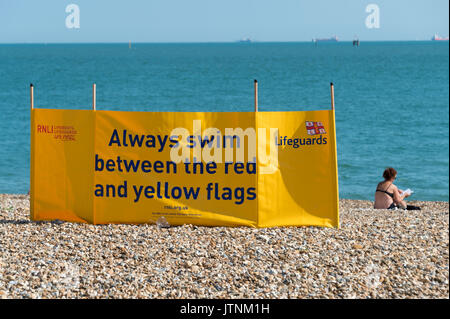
(297, 142)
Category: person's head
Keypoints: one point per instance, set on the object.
(389, 174)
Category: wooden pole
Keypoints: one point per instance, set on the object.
(32, 95)
(94, 96)
(256, 95)
(332, 95)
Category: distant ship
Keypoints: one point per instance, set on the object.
(332, 39)
(245, 40)
(438, 38)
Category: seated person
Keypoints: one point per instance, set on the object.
(388, 196)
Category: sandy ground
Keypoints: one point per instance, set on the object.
(375, 254)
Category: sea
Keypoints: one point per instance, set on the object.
(392, 98)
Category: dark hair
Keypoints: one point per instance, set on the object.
(389, 173)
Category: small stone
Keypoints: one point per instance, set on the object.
(162, 222)
(195, 268)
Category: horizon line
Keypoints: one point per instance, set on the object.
(217, 42)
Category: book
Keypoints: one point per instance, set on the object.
(406, 192)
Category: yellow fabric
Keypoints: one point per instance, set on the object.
(296, 185)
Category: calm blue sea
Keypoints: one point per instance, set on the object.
(392, 98)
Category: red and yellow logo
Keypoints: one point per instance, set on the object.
(314, 128)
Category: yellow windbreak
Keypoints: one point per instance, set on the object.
(206, 168)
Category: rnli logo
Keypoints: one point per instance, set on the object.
(315, 128)
(59, 132)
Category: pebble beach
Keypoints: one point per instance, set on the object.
(374, 254)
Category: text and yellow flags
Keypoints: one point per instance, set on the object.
(208, 168)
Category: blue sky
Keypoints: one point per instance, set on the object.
(219, 20)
